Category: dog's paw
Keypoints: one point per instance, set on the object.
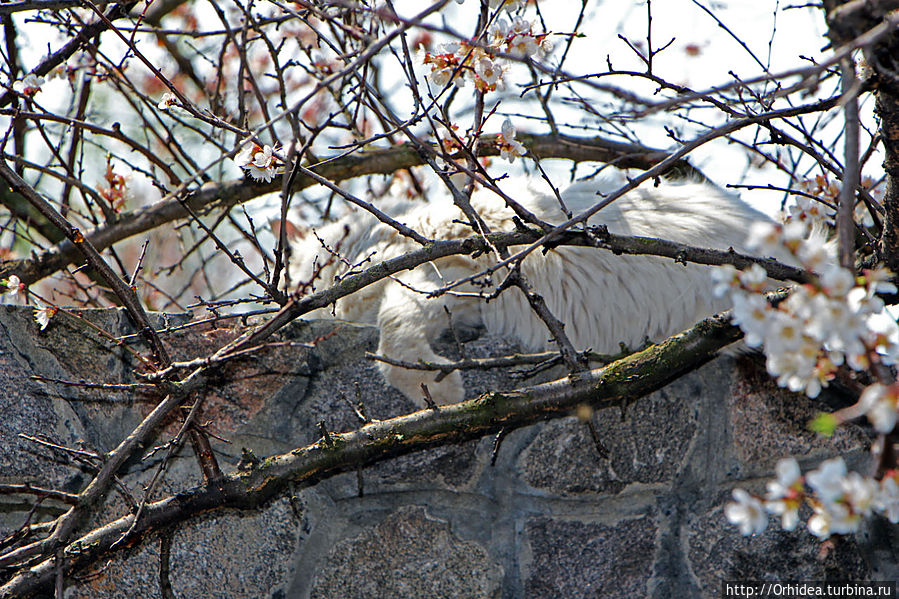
(450, 389)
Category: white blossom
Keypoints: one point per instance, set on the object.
(887, 500)
(245, 156)
(168, 100)
(13, 285)
(43, 314)
(860, 493)
(837, 281)
(754, 277)
(815, 253)
(843, 520)
(795, 232)
(878, 280)
(788, 474)
(489, 71)
(825, 319)
(784, 333)
(546, 45)
(28, 86)
(523, 45)
(520, 26)
(879, 403)
(262, 168)
(827, 480)
(797, 369)
(747, 512)
(751, 313)
(440, 77)
(726, 277)
(821, 523)
(789, 515)
(764, 237)
(260, 162)
(500, 29)
(811, 211)
(508, 129)
(784, 493)
(509, 147)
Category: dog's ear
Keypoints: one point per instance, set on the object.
(293, 232)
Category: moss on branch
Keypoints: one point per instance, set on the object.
(624, 380)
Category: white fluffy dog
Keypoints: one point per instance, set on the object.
(604, 300)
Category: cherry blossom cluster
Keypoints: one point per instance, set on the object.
(838, 319)
(459, 62)
(259, 161)
(519, 38)
(822, 195)
(839, 499)
(507, 143)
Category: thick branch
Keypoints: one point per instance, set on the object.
(597, 237)
(624, 380)
(223, 196)
(23, 5)
(851, 175)
(851, 19)
(888, 109)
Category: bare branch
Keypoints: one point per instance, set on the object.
(223, 196)
(122, 290)
(631, 377)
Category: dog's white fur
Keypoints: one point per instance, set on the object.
(605, 300)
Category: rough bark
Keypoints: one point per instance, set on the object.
(847, 21)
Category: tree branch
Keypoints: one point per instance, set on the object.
(595, 237)
(853, 19)
(212, 196)
(57, 58)
(125, 293)
(627, 379)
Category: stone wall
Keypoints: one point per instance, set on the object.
(550, 519)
